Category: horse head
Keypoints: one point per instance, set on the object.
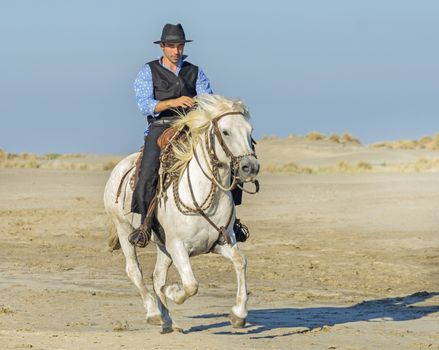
(233, 131)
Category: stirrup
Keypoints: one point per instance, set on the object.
(242, 232)
(140, 237)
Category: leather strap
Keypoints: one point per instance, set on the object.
(221, 230)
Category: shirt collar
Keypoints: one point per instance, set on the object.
(180, 63)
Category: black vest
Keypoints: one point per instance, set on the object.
(167, 85)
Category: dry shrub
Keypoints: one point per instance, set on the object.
(434, 143)
(28, 156)
(405, 144)
(425, 140)
(364, 166)
(348, 138)
(290, 168)
(295, 169)
(3, 154)
(266, 138)
(315, 136)
(109, 165)
(424, 164)
(52, 156)
(270, 167)
(344, 166)
(381, 145)
(72, 155)
(334, 138)
(17, 163)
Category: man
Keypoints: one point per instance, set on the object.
(161, 87)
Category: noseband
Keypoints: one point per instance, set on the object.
(215, 132)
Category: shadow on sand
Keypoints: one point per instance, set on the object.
(306, 319)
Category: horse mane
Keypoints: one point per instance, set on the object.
(195, 123)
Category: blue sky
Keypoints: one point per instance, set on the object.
(367, 67)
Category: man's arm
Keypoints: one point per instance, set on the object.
(203, 83)
(144, 90)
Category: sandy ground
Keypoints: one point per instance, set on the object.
(334, 262)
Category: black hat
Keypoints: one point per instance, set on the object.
(172, 33)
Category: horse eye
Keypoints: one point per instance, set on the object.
(225, 133)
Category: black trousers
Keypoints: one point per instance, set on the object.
(149, 174)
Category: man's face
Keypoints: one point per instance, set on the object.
(172, 51)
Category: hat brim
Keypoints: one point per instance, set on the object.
(172, 41)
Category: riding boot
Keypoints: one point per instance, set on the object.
(241, 231)
(140, 236)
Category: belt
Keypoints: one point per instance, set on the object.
(163, 121)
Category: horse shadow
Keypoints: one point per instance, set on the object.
(306, 319)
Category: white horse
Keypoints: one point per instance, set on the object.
(196, 210)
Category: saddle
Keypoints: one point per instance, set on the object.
(165, 138)
(162, 142)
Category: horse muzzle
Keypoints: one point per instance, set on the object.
(248, 168)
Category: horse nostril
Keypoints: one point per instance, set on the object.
(246, 169)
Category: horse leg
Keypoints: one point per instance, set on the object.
(162, 265)
(134, 272)
(239, 311)
(175, 292)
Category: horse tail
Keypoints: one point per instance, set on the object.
(113, 238)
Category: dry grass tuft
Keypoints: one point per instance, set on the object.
(22, 160)
(267, 138)
(424, 164)
(315, 136)
(334, 138)
(49, 161)
(364, 166)
(341, 167)
(348, 138)
(427, 142)
(405, 144)
(434, 144)
(383, 144)
(289, 168)
(52, 156)
(109, 165)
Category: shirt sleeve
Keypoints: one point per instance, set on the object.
(203, 83)
(144, 91)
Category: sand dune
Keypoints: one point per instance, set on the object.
(326, 153)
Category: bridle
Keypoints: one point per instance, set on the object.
(213, 164)
(209, 148)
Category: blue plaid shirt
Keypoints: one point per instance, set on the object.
(144, 88)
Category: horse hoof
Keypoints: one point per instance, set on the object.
(237, 322)
(177, 329)
(166, 330)
(155, 320)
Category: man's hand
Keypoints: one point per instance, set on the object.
(183, 101)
